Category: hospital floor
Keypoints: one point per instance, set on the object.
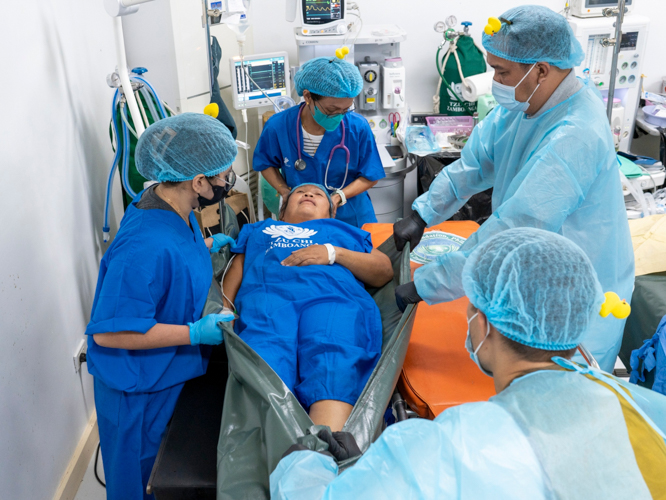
(90, 489)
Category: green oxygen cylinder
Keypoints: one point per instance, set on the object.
(472, 62)
(136, 180)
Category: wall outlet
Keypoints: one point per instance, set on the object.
(80, 355)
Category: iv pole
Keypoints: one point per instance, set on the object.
(116, 9)
(616, 43)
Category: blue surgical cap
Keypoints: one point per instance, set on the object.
(536, 287)
(329, 77)
(330, 200)
(181, 147)
(535, 34)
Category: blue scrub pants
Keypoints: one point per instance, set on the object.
(131, 426)
(321, 350)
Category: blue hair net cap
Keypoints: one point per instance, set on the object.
(329, 77)
(319, 186)
(181, 147)
(535, 34)
(536, 287)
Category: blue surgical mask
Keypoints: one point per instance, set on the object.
(506, 95)
(474, 354)
(329, 122)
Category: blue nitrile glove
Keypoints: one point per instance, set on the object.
(207, 331)
(220, 240)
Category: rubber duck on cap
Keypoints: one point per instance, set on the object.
(341, 52)
(493, 26)
(613, 305)
(212, 109)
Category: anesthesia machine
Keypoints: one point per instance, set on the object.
(594, 35)
(375, 49)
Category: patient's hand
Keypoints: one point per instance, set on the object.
(312, 255)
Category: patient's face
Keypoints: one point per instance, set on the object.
(307, 203)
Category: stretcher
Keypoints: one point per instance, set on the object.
(262, 418)
(438, 372)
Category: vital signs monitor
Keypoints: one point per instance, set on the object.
(319, 17)
(260, 75)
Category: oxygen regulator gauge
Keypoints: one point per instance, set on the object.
(451, 21)
(370, 76)
(440, 26)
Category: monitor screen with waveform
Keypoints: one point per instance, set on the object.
(322, 11)
(269, 75)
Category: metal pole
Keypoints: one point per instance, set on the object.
(399, 406)
(209, 64)
(618, 42)
(124, 76)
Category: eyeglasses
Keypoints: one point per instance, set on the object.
(348, 110)
(229, 180)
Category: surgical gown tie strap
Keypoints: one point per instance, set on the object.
(565, 363)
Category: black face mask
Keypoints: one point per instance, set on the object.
(219, 192)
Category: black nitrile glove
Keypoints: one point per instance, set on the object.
(406, 294)
(341, 445)
(409, 229)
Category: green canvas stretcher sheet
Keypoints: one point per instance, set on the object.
(262, 418)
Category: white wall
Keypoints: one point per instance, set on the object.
(54, 158)
(417, 17)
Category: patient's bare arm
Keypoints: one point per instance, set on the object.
(232, 280)
(373, 269)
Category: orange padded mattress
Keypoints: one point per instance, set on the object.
(438, 372)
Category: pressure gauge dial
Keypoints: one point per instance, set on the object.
(440, 26)
(451, 21)
(370, 76)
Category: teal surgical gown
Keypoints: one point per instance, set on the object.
(556, 171)
(157, 270)
(277, 148)
(550, 434)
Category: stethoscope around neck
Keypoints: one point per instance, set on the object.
(300, 163)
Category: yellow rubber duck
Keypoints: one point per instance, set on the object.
(341, 52)
(212, 109)
(493, 26)
(613, 305)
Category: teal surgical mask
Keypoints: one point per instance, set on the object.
(474, 353)
(329, 122)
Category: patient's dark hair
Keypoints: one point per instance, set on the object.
(532, 353)
(285, 202)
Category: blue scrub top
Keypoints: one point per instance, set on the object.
(157, 270)
(277, 148)
(270, 284)
(316, 326)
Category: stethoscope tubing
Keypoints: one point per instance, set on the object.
(341, 145)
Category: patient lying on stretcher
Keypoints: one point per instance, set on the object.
(310, 320)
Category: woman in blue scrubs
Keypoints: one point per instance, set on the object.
(323, 141)
(299, 287)
(146, 336)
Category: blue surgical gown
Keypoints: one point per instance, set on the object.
(550, 434)
(157, 270)
(316, 326)
(277, 148)
(557, 171)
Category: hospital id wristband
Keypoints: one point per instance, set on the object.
(343, 198)
(331, 253)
